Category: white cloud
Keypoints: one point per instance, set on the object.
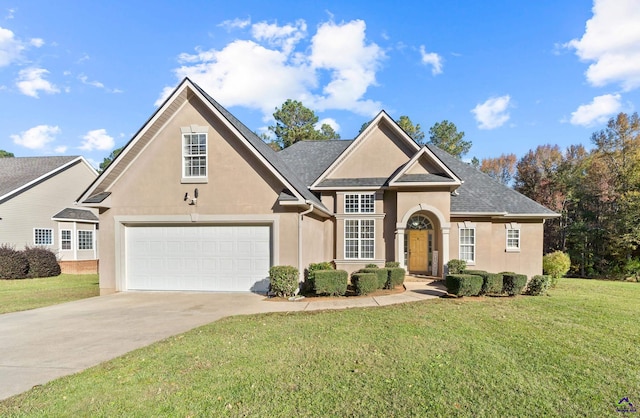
(261, 73)
(85, 80)
(10, 47)
(61, 149)
(329, 121)
(31, 80)
(235, 24)
(10, 14)
(492, 113)
(612, 42)
(433, 59)
(37, 137)
(37, 42)
(97, 139)
(598, 111)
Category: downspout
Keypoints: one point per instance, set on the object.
(300, 267)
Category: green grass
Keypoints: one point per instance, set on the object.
(576, 352)
(20, 295)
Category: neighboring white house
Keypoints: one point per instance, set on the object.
(37, 197)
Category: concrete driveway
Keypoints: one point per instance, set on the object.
(43, 344)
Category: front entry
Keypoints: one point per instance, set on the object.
(419, 244)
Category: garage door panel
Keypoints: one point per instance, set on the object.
(214, 258)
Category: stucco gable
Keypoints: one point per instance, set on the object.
(425, 169)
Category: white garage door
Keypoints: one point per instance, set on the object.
(210, 258)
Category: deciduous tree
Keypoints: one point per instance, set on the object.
(502, 168)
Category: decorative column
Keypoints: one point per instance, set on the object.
(400, 244)
(445, 248)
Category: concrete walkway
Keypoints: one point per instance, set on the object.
(43, 344)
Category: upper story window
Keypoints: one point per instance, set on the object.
(359, 203)
(194, 153)
(43, 236)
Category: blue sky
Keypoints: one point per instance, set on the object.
(80, 78)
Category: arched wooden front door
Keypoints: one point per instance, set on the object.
(419, 244)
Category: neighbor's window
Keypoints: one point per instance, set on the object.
(194, 154)
(359, 237)
(513, 239)
(65, 239)
(468, 244)
(43, 236)
(85, 240)
(359, 203)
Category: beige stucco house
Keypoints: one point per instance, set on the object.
(37, 196)
(197, 201)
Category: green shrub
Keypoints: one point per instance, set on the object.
(371, 266)
(456, 266)
(331, 282)
(513, 284)
(396, 277)
(475, 272)
(13, 264)
(463, 284)
(492, 283)
(392, 264)
(556, 265)
(283, 280)
(310, 272)
(538, 285)
(364, 283)
(381, 273)
(42, 262)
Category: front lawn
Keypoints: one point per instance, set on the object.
(20, 295)
(576, 353)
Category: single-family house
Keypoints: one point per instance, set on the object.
(37, 208)
(197, 201)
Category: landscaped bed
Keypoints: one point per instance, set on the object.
(575, 352)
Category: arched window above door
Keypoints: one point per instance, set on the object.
(419, 222)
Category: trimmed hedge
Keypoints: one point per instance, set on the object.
(463, 284)
(42, 262)
(396, 277)
(513, 284)
(381, 273)
(283, 280)
(331, 282)
(491, 282)
(13, 264)
(538, 285)
(392, 264)
(475, 272)
(364, 283)
(310, 274)
(456, 266)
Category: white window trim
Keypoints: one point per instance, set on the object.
(188, 130)
(471, 226)
(359, 211)
(81, 231)
(513, 226)
(62, 231)
(359, 239)
(51, 241)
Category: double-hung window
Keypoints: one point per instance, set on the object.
(65, 239)
(194, 155)
(43, 236)
(468, 244)
(85, 240)
(513, 239)
(359, 233)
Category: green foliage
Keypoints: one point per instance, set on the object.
(556, 265)
(538, 285)
(445, 135)
(295, 122)
(283, 280)
(381, 273)
(491, 282)
(331, 282)
(513, 284)
(456, 266)
(414, 131)
(371, 266)
(105, 163)
(310, 274)
(392, 264)
(396, 277)
(13, 264)
(364, 283)
(463, 284)
(6, 154)
(42, 262)
(632, 269)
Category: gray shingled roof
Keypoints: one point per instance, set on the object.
(309, 159)
(354, 182)
(74, 214)
(481, 193)
(265, 150)
(425, 178)
(17, 172)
